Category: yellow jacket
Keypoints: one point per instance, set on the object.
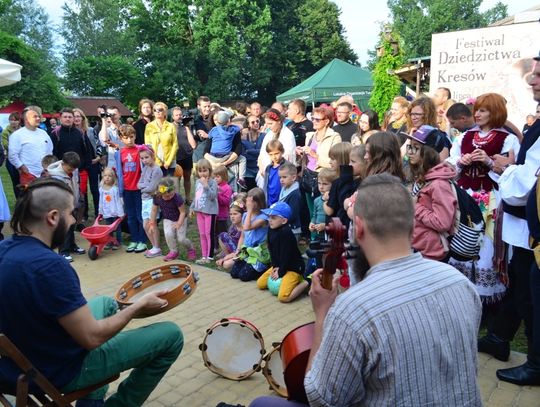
(163, 140)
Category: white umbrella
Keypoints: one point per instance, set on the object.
(10, 72)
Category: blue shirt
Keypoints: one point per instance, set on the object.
(255, 237)
(35, 291)
(274, 186)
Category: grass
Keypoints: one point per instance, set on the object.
(519, 344)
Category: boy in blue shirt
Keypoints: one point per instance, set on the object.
(272, 186)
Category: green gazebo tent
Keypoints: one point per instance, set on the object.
(335, 79)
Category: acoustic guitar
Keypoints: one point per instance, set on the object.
(296, 345)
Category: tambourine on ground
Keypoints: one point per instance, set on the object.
(178, 278)
(233, 348)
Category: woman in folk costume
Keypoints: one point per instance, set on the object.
(473, 154)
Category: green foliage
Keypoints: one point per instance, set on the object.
(26, 20)
(416, 20)
(102, 75)
(233, 39)
(165, 51)
(386, 85)
(38, 85)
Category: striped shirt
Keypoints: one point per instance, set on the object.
(404, 336)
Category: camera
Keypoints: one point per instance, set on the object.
(187, 116)
(104, 114)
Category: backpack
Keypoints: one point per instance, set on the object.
(469, 227)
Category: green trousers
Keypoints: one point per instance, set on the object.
(149, 351)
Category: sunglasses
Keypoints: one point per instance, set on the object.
(159, 110)
(317, 119)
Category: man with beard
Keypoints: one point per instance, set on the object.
(80, 342)
(405, 334)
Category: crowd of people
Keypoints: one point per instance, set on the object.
(406, 187)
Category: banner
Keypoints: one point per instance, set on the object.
(494, 59)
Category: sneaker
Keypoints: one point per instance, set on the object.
(172, 255)
(67, 256)
(241, 183)
(152, 253)
(108, 246)
(141, 247)
(191, 254)
(78, 250)
(202, 260)
(115, 246)
(131, 247)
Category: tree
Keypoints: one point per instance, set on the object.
(386, 85)
(233, 38)
(26, 20)
(165, 52)
(306, 36)
(416, 20)
(39, 85)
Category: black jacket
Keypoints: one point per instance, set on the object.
(284, 251)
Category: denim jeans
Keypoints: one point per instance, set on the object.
(149, 350)
(133, 207)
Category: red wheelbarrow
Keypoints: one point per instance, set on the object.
(99, 235)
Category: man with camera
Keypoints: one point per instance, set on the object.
(186, 144)
(108, 135)
(203, 124)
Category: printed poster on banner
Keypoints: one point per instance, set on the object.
(494, 59)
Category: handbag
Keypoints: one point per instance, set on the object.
(308, 181)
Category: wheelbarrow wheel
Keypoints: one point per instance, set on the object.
(92, 252)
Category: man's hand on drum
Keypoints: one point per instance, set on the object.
(151, 303)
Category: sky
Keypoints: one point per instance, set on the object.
(361, 23)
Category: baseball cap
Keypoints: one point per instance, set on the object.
(223, 117)
(430, 136)
(278, 209)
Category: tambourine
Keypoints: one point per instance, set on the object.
(178, 278)
(272, 370)
(233, 348)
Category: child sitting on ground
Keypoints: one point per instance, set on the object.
(111, 206)
(173, 213)
(150, 176)
(252, 254)
(228, 241)
(287, 264)
(290, 194)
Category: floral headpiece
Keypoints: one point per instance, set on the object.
(239, 204)
(164, 189)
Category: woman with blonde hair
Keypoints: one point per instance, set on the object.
(89, 175)
(316, 151)
(161, 135)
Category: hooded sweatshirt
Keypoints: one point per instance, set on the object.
(222, 139)
(56, 171)
(435, 212)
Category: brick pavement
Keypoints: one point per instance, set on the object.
(190, 383)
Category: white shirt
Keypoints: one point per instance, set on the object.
(515, 183)
(28, 147)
